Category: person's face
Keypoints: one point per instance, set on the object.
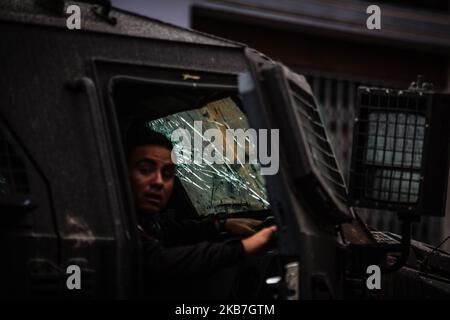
(152, 175)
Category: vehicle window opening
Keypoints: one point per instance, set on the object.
(209, 188)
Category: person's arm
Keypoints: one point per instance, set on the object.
(258, 241)
(188, 231)
(203, 257)
(207, 228)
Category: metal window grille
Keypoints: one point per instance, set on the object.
(336, 100)
(318, 143)
(387, 164)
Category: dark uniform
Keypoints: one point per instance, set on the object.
(183, 258)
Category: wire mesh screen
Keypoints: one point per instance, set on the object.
(395, 140)
(336, 96)
(13, 175)
(389, 149)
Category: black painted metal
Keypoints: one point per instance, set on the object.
(401, 151)
(69, 134)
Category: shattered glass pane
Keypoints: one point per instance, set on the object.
(233, 186)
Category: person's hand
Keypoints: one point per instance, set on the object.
(241, 226)
(259, 240)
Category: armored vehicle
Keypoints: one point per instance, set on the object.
(67, 97)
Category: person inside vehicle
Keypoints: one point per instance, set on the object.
(179, 254)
